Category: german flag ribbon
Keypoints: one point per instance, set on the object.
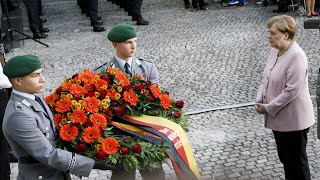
(157, 129)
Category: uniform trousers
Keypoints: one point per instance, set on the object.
(157, 174)
(91, 7)
(4, 146)
(136, 7)
(33, 11)
(195, 3)
(292, 153)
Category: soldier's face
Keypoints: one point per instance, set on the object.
(126, 49)
(32, 83)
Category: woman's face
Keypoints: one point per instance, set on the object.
(276, 37)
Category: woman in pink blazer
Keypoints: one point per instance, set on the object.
(284, 97)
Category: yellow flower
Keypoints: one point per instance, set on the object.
(105, 106)
(117, 96)
(78, 106)
(119, 88)
(64, 121)
(78, 81)
(74, 102)
(96, 94)
(98, 147)
(52, 104)
(62, 96)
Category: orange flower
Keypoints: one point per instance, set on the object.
(130, 97)
(155, 90)
(121, 78)
(57, 119)
(63, 105)
(90, 134)
(78, 116)
(139, 77)
(111, 71)
(51, 98)
(98, 120)
(68, 132)
(110, 145)
(91, 104)
(87, 77)
(77, 90)
(101, 84)
(165, 101)
(66, 85)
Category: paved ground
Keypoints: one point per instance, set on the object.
(207, 58)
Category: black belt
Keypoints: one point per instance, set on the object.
(28, 160)
(4, 90)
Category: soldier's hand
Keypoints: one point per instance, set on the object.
(103, 166)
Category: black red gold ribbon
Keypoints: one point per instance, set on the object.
(158, 129)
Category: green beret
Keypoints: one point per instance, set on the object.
(121, 32)
(20, 66)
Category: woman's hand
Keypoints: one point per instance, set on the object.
(260, 108)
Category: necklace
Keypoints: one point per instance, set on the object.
(281, 53)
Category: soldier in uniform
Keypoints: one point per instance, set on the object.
(90, 7)
(124, 41)
(29, 128)
(35, 23)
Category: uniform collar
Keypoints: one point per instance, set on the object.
(122, 62)
(26, 95)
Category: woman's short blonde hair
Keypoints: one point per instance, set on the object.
(284, 24)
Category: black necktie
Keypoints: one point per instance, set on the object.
(126, 68)
(40, 102)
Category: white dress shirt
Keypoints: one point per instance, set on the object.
(123, 62)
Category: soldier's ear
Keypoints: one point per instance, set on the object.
(17, 81)
(115, 45)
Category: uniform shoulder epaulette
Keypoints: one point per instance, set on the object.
(147, 60)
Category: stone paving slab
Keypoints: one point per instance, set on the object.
(207, 58)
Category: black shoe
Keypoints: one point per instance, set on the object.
(39, 35)
(187, 6)
(43, 20)
(129, 13)
(141, 21)
(42, 14)
(98, 23)
(194, 9)
(203, 8)
(97, 28)
(99, 18)
(44, 30)
(13, 158)
(205, 4)
(134, 18)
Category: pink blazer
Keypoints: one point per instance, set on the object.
(285, 90)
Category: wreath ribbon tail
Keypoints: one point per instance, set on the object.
(157, 129)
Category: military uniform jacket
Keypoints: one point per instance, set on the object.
(145, 68)
(30, 131)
